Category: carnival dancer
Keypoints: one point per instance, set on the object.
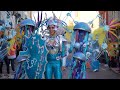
(27, 27)
(78, 50)
(1, 35)
(94, 50)
(56, 51)
(31, 60)
(11, 54)
(3, 50)
(19, 37)
(100, 35)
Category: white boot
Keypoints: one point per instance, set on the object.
(95, 70)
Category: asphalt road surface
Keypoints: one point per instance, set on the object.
(104, 73)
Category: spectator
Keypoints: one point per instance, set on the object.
(11, 54)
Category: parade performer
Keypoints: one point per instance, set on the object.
(24, 28)
(19, 37)
(101, 36)
(78, 50)
(12, 42)
(11, 51)
(56, 50)
(94, 50)
(3, 49)
(32, 59)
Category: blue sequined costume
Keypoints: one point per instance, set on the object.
(3, 45)
(54, 58)
(94, 52)
(79, 48)
(32, 59)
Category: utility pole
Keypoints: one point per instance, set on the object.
(31, 14)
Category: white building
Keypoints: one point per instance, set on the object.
(15, 16)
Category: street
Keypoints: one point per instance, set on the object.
(104, 73)
(41, 35)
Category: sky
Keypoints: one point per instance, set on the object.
(83, 16)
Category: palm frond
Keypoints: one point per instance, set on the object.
(113, 34)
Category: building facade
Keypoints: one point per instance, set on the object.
(14, 16)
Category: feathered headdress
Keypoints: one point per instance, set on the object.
(102, 32)
(19, 36)
(59, 24)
